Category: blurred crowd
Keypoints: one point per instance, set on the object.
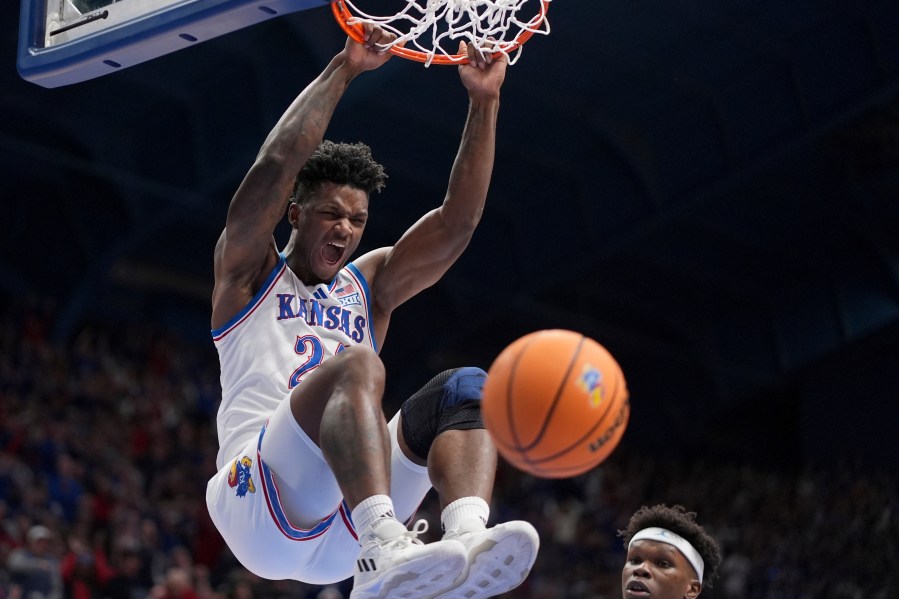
(107, 440)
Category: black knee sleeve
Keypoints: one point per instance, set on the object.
(449, 401)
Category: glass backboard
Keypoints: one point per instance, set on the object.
(67, 41)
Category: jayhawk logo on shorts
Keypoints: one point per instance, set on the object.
(239, 478)
(591, 382)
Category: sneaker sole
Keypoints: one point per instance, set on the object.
(500, 563)
(416, 578)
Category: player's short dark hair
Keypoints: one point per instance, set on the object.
(341, 163)
(679, 521)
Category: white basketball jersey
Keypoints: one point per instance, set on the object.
(282, 335)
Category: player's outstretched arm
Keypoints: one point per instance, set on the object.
(427, 250)
(245, 251)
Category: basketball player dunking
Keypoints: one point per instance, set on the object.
(313, 483)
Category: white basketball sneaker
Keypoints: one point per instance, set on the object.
(394, 563)
(499, 558)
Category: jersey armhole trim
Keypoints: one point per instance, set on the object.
(264, 290)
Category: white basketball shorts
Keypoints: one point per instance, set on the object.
(278, 506)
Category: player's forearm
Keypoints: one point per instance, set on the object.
(262, 197)
(302, 126)
(473, 167)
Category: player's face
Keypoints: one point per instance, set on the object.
(329, 227)
(656, 570)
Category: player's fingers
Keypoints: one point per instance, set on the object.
(475, 55)
(377, 38)
(490, 48)
(367, 29)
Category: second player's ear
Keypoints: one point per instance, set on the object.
(695, 589)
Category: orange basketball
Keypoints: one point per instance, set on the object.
(555, 403)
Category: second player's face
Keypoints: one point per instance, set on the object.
(329, 227)
(656, 570)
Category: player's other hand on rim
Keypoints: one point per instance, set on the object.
(485, 71)
(372, 52)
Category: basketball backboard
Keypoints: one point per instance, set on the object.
(67, 41)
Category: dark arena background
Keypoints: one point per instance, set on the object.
(709, 189)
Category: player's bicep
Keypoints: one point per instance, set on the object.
(238, 275)
(257, 207)
(241, 259)
(418, 260)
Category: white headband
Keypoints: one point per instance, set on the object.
(663, 535)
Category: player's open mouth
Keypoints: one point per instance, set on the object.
(635, 588)
(332, 253)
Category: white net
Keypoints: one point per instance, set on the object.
(433, 28)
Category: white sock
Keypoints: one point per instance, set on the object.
(370, 510)
(471, 510)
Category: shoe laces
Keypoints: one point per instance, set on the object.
(410, 537)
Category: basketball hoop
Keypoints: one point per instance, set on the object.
(424, 25)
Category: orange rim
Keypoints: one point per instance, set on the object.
(356, 32)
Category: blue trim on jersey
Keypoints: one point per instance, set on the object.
(367, 294)
(273, 498)
(266, 286)
(349, 514)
